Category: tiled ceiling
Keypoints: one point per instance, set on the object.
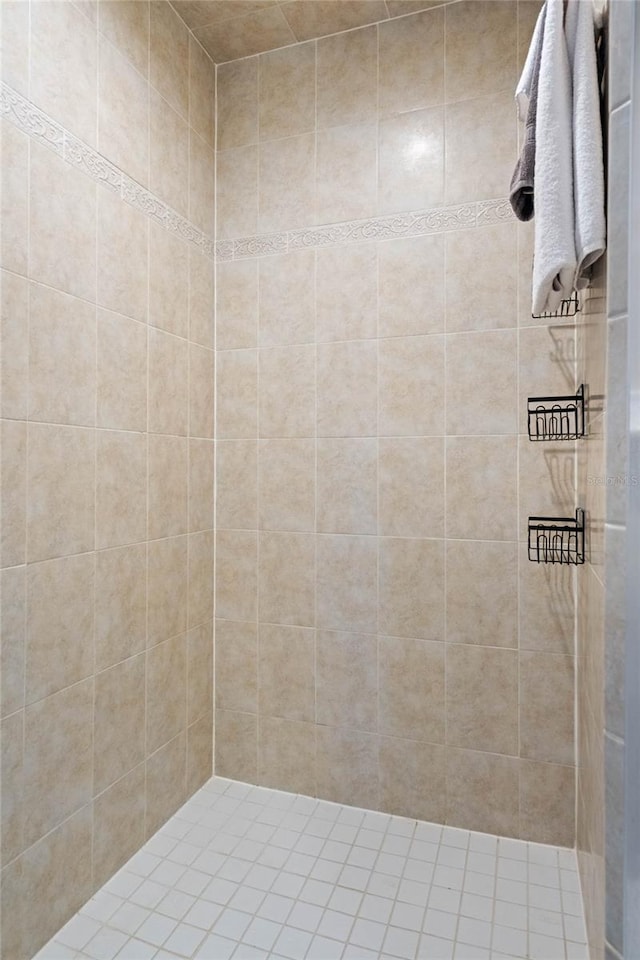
(230, 29)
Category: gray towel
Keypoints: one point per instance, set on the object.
(521, 189)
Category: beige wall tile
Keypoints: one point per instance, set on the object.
(202, 92)
(482, 593)
(482, 699)
(201, 549)
(201, 298)
(287, 298)
(347, 78)
(286, 755)
(59, 196)
(482, 792)
(200, 672)
(123, 113)
(411, 588)
(411, 384)
(199, 753)
(547, 803)
(166, 691)
(237, 575)
(546, 364)
(122, 256)
(14, 203)
(62, 357)
(264, 30)
(121, 604)
(237, 394)
(346, 680)
(121, 372)
(118, 824)
(201, 391)
(412, 684)
(286, 578)
(13, 472)
(14, 358)
(168, 383)
(412, 779)
(168, 281)
(287, 393)
(481, 44)
(547, 480)
(201, 480)
(15, 59)
(237, 304)
(546, 606)
(346, 171)
(13, 637)
(60, 619)
(287, 91)
(487, 510)
(237, 192)
(347, 495)
(57, 758)
(347, 395)
(61, 475)
(236, 655)
(11, 787)
(491, 123)
(126, 24)
(201, 184)
(168, 154)
(119, 735)
(167, 505)
(546, 707)
(286, 177)
(236, 745)
(410, 286)
(346, 292)
(411, 161)
(481, 300)
(347, 583)
(346, 766)
(167, 578)
(286, 672)
(65, 852)
(286, 485)
(237, 478)
(411, 487)
(169, 56)
(237, 105)
(483, 366)
(59, 33)
(409, 78)
(308, 20)
(121, 488)
(166, 782)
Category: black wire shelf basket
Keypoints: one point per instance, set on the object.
(557, 539)
(556, 418)
(567, 308)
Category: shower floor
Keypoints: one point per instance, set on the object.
(246, 872)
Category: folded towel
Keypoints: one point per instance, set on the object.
(521, 190)
(523, 90)
(554, 262)
(588, 164)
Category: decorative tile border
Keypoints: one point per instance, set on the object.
(414, 224)
(42, 128)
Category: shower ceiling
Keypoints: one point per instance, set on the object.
(230, 29)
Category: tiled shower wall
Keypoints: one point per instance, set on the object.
(603, 481)
(107, 390)
(381, 638)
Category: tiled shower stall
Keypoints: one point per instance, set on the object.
(266, 249)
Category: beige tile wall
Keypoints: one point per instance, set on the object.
(107, 456)
(382, 639)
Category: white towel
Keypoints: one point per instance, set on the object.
(554, 263)
(523, 90)
(588, 164)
